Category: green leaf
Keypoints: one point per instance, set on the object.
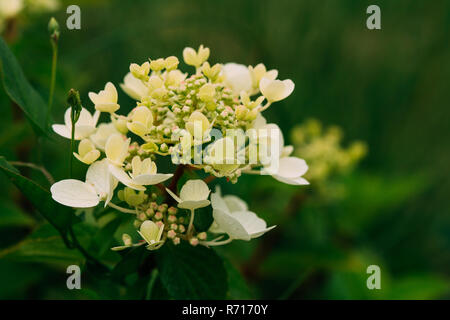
(59, 216)
(203, 219)
(20, 91)
(419, 287)
(189, 272)
(237, 287)
(45, 246)
(12, 216)
(130, 262)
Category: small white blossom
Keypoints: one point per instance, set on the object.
(84, 126)
(116, 149)
(151, 233)
(195, 58)
(141, 121)
(237, 77)
(134, 87)
(231, 216)
(87, 152)
(105, 100)
(193, 195)
(143, 173)
(101, 135)
(276, 90)
(99, 186)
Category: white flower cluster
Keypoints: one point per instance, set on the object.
(181, 117)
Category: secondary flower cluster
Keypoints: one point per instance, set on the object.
(9, 9)
(179, 116)
(323, 148)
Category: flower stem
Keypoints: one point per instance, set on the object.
(215, 243)
(72, 140)
(47, 175)
(118, 208)
(191, 222)
(53, 78)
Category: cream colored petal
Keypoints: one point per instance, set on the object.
(173, 195)
(100, 178)
(116, 148)
(234, 203)
(237, 77)
(151, 179)
(74, 193)
(62, 130)
(292, 181)
(194, 190)
(193, 204)
(217, 202)
(292, 167)
(230, 225)
(254, 225)
(124, 178)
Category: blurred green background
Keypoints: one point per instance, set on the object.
(386, 87)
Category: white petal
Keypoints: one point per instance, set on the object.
(192, 205)
(151, 179)
(237, 77)
(235, 203)
(292, 167)
(100, 177)
(74, 193)
(62, 130)
(230, 225)
(173, 195)
(124, 178)
(292, 181)
(254, 225)
(194, 190)
(217, 202)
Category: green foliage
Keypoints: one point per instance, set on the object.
(20, 91)
(44, 245)
(59, 216)
(191, 272)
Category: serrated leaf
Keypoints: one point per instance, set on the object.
(59, 216)
(189, 272)
(20, 91)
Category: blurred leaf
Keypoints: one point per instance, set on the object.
(237, 287)
(46, 246)
(20, 91)
(59, 216)
(17, 277)
(10, 215)
(189, 272)
(419, 287)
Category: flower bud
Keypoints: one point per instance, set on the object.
(171, 63)
(140, 71)
(241, 112)
(199, 121)
(207, 92)
(193, 241)
(157, 65)
(127, 240)
(53, 29)
(132, 198)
